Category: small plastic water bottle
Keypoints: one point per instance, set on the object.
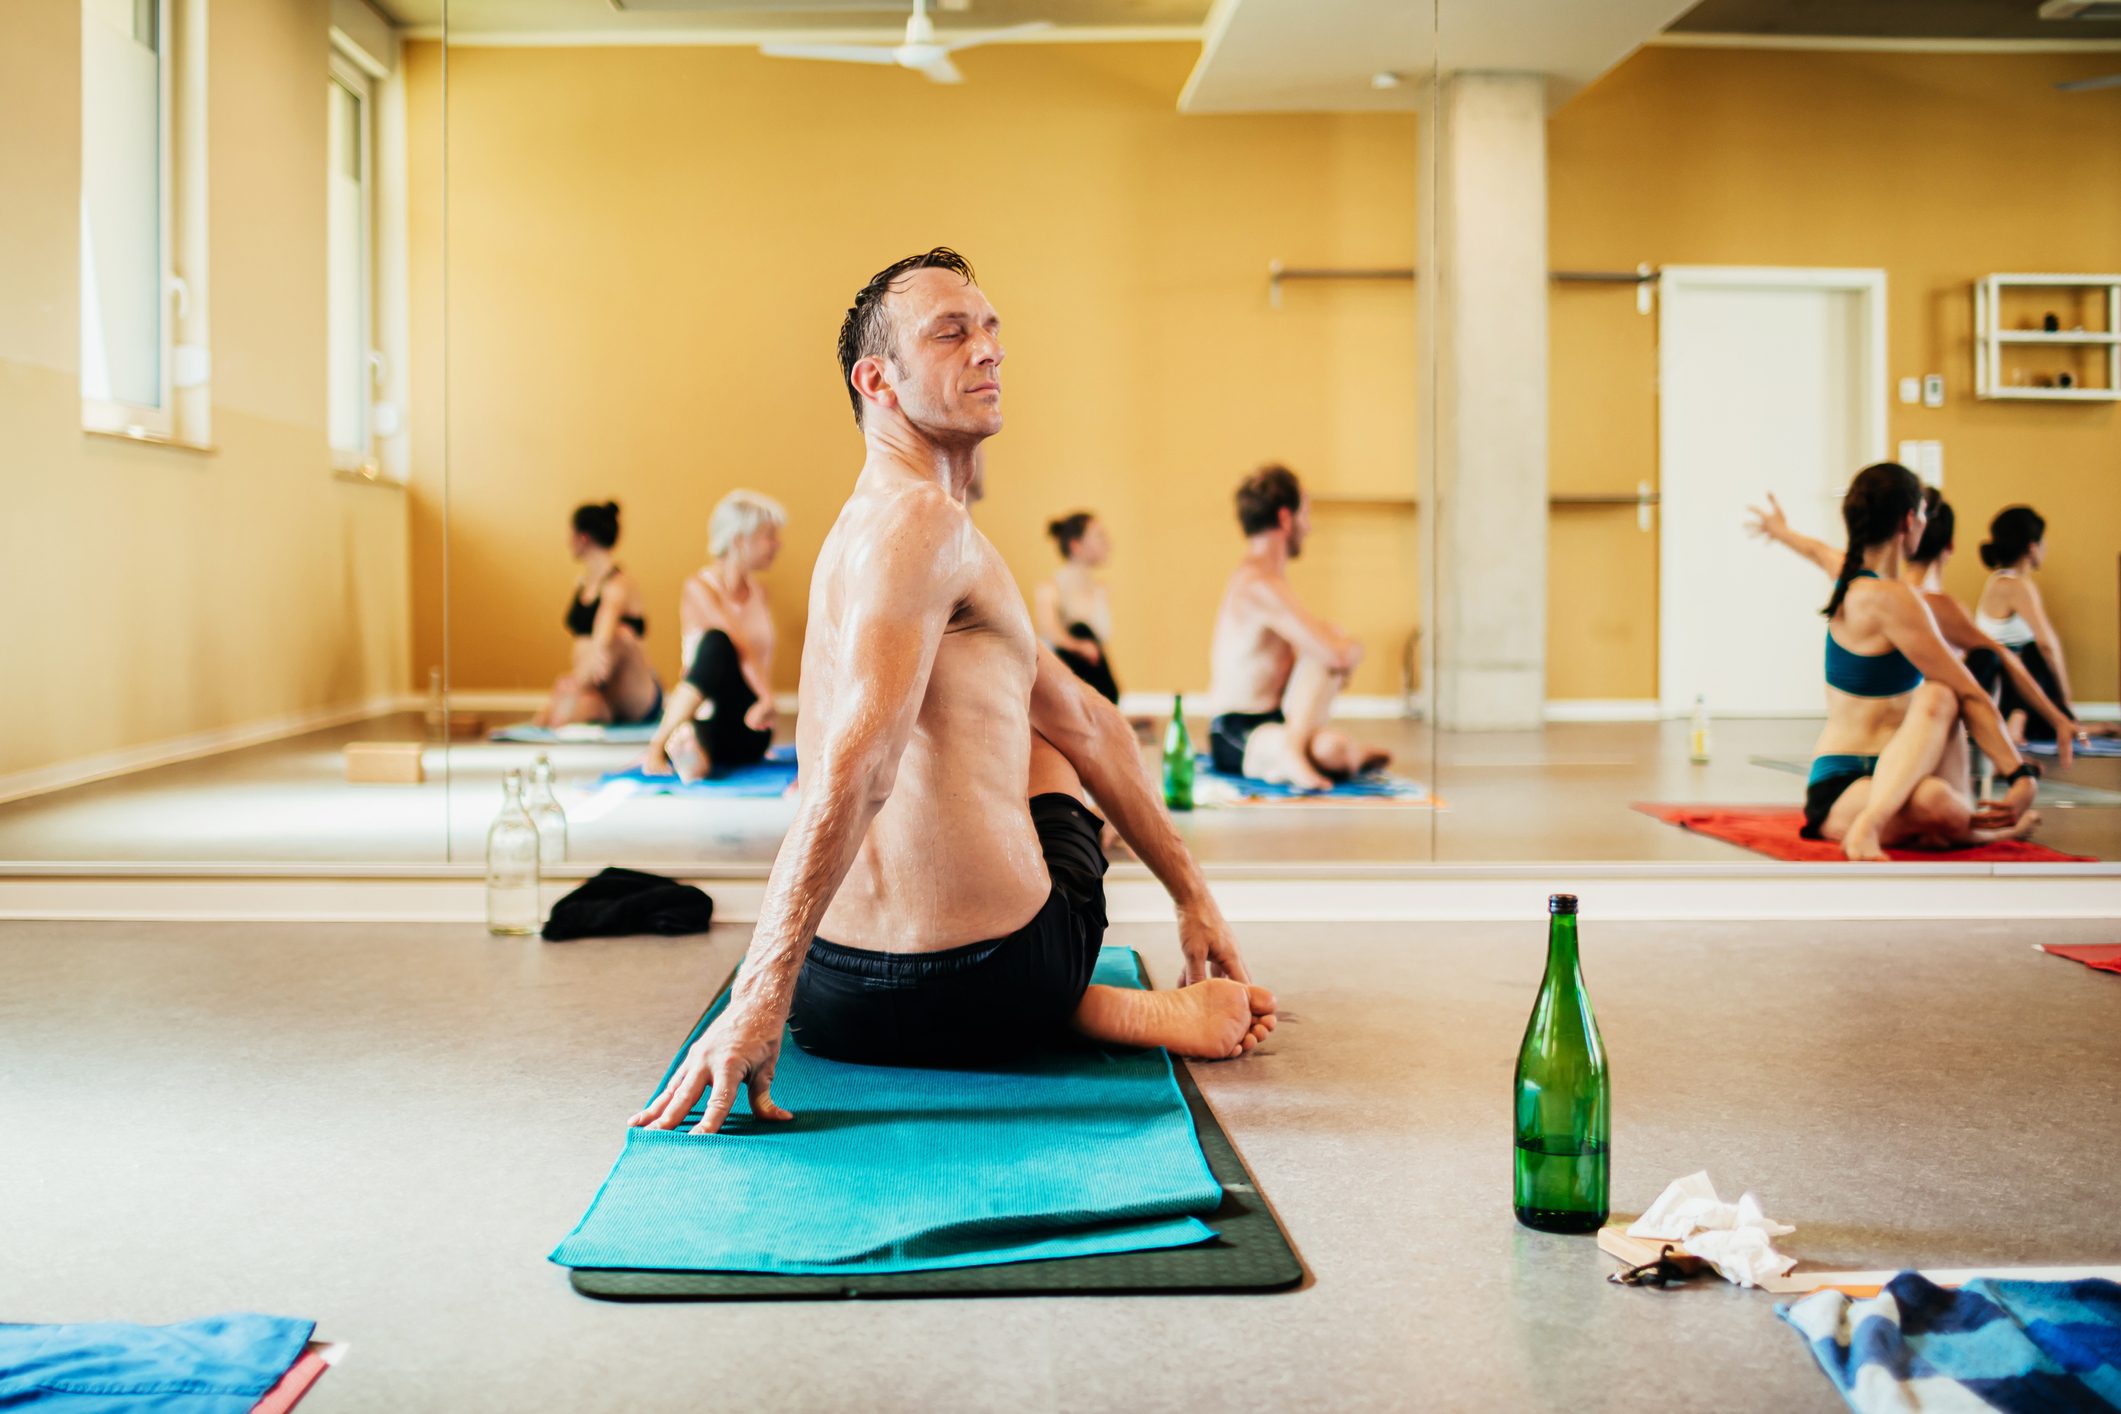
(512, 865)
(1698, 738)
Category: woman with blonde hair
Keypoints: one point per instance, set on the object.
(726, 627)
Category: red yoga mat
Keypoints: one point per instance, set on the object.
(1772, 830)
(2106, 957)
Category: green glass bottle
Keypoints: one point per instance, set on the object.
(1564, 1096)
(1178, 758)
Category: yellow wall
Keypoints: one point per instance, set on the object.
(1937, 168)
(650, 251)
(153, 593)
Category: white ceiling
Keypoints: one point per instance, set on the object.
(1321, 55)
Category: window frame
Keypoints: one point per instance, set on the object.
(342, 71)
(111, 415)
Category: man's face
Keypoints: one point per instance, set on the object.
(946, 356)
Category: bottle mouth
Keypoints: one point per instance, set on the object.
(1561, 903)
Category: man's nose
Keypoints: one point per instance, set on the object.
(990, 351)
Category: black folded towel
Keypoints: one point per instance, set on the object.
(619, 902)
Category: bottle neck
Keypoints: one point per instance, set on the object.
(1561, 945)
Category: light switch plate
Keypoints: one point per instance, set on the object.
(1911, 390)
(1933, 390)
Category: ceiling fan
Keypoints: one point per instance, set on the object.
(921, 52)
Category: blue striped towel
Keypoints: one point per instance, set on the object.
(2011, 1345)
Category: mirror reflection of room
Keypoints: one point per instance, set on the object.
(1785, 253)
(210, 434)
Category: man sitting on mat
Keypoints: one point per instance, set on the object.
(1277, 666)
(942, 844)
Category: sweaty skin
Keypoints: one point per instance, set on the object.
(929, 716)
(1270, 651)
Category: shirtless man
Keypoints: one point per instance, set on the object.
(1277, 666)
(942, 844)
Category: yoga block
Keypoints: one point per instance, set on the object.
(394, 763)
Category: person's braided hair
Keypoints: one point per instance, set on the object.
(1877, 504)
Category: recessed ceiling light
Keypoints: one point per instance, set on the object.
(1384, 79)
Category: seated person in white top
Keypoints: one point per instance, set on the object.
(2010, 611)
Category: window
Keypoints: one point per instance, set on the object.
(126, 276)
(353, 362)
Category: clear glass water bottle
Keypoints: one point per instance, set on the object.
(1698, 732)
(512, 865)
(546, 814)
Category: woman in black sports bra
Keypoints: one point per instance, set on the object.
(611, 680)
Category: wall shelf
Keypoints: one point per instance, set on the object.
(1991, 340)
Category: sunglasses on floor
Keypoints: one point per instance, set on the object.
(1668, 1268)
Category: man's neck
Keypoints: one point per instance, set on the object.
(1269, 551)
(896, 446)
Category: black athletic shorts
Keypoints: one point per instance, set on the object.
(974, 1004)
(1228, 734)
(718, 673)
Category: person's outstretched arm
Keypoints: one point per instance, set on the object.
(2035, 614)
(1772, 524)
(912, 572)
(1098, 743)
(1962, 633)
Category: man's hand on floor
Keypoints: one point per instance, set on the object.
(1209, 945)
(739, 1048)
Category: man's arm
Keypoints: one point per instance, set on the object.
(1098, 743)
(1310, 635)
(902, 584)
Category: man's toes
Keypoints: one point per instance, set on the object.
(1262, 1000)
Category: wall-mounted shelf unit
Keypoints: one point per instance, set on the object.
(1993, 343)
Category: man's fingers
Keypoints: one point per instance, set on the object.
(679, 1098)
(1233, 967)
(762, 1103)
(719, 1104)
(654, 1108)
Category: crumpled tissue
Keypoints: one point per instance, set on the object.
(1737, 1239)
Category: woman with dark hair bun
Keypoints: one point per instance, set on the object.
(1073, 610)
(1924, 573)
(1890, 767)
(610, 681)
(2010, 611)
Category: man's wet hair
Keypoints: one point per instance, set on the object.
(866, 331)
(1265, 494)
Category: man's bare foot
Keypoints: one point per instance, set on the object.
(1213, 1020)
(1861, 843)
(1288, 769)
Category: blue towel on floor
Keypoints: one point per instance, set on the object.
(889, 1169)
(2014, 1345)
(591, 734)
(216, 1365)
(767, 779)
(1374, 786)
(2096, 746)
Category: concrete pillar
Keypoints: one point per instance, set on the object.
(1485, 299)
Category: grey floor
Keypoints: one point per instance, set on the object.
(1562, 793)
(386, 1128)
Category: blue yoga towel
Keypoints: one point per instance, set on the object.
(215, 1365)
(889, 1169)
(2095, 746)
(766, 779)
(590, 734)
(1374, 786)
(2015, 1345)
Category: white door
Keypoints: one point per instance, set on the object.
(1770, 380)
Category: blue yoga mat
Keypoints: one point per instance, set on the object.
(1374, 786)
(765, 780)
(214, 1365)
(588, 734)
(2097, 746)
(888, 1169)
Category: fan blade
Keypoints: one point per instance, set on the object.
(843, 53)
(2087, 85)
(993, 34)
(941, 70)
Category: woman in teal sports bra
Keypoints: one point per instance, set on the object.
(1890, 767)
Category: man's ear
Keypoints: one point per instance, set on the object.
(872, 382)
